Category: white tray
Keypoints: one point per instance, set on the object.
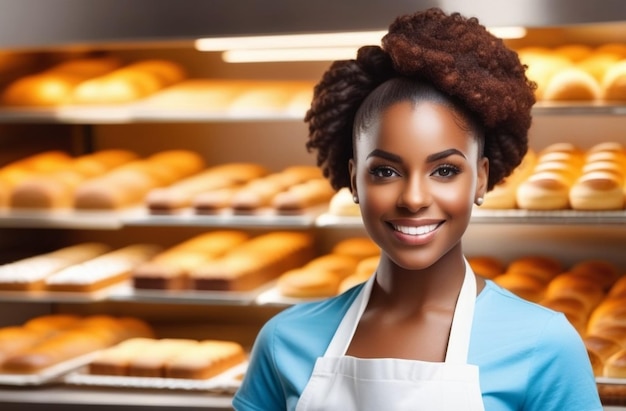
(226, 382)
(48, 374)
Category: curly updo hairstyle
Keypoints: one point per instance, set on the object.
(457, 56)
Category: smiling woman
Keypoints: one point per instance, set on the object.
(419, 130)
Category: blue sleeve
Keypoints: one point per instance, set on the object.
(561, 377)
(261, 388)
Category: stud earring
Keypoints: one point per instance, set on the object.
(480, 201)
(355, 199)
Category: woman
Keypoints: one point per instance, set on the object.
(419, 130)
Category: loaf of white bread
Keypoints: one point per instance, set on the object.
(30, 274)
(168, 358)
(101, 271)
(49, 340)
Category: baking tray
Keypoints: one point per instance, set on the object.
(49, 374)
(226, 382)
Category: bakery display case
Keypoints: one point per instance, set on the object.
(138, 98)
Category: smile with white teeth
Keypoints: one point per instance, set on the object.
(415, 230)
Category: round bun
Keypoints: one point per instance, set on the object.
(523, 285)
(486, 266)
(572, 84)
(543, 268)
(357, 247)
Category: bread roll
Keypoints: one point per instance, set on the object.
(598, 190)
(576, 286)
(614, 82)
(342, 204)
(364, 270)
(618, 289)
(603, 272)
(319, 278)
(603, 347)
(503, 195)
(542, 267)
(52, 322)
(597, 64)
(572, 84)
(255, 262)
(542, 65)
(115, 360)
(574, 310)
(357, 247)
(615, 365)
(526, 286)
(14, 339)
(486, 266)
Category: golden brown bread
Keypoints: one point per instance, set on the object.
(614, 82)
(303, 195)
(208, 359)
(170, 269)
(572, 83)
(134, 81)
(526, 286)
(255, 262)
(53, 190)
(308, 283)
(357, 247)
(130, 183)
(542, 267)
(486, 266)
(182, 193)
(55, 86)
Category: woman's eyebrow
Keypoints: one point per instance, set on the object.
(386, 155)
(431, 158)
(443, 154)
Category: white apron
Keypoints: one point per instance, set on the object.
(346, 383)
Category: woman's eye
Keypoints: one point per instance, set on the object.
(383, 172)
(446, 171)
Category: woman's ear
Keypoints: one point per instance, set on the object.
(482, 180)
(352, 170)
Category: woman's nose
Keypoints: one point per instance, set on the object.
(414, 194)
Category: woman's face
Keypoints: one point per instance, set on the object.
(416, 175)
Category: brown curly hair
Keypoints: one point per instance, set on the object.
(457, 56)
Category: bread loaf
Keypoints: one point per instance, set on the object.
(29, 274)
(208, 359)
(128, 83)
(571, 84)
(101, 271)
(129, 184)
(170, 269)
(304, 195)
(182, 193)
(614, 82)
(255, 262)
(55, 86)
(53, 190)
(87, 335)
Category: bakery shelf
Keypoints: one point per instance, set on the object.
(62, 397)
(484, 216)
(127, 114)
(131, 113)
(579, 108)
(187, 217)
(129, 294)
(69, 219)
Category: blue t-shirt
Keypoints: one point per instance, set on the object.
(529, 357)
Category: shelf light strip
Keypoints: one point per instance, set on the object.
(306, 47)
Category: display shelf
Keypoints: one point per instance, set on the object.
(140, 217)
(260, 219)
(135, 113)
(66, 218)
(63, 397)
(556, 217)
